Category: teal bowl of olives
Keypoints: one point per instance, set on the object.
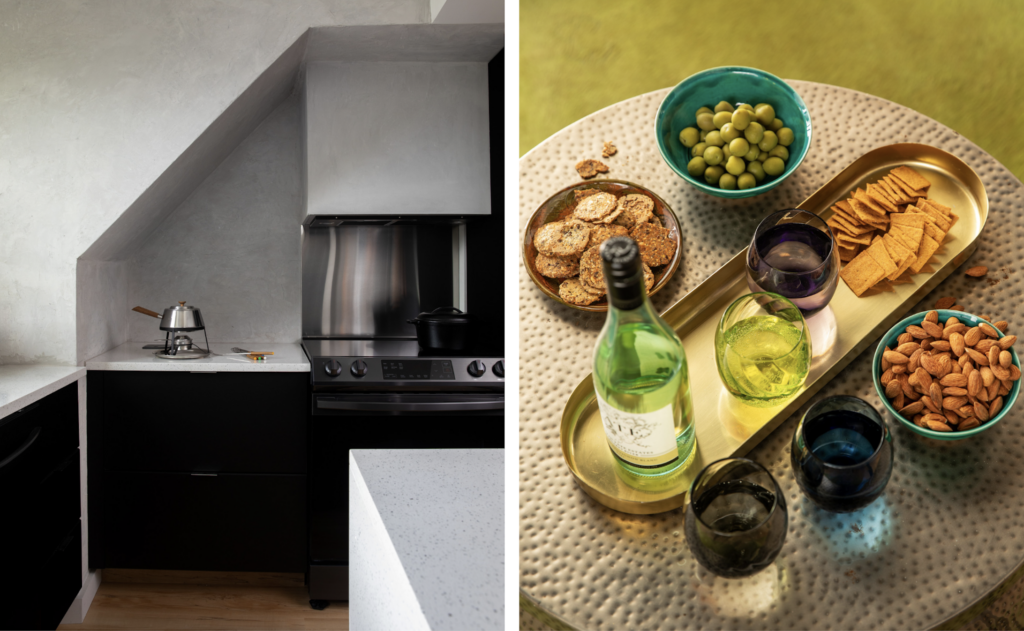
(733, 132)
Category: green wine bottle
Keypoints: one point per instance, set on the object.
(640, 373)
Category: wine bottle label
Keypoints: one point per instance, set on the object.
(645, 439)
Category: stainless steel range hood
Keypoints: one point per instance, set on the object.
(396, 139)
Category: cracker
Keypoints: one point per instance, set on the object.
(861, 273)
(648, 277)
(928, 248)
(580, 193)
(589, 168)
(908, 189)
(945, 210)
(913, 221)
(557, 266)
(655, 246)
(597, 291)
(941, 220)
(591, 269)
(562, 238)
(595, 207)
(899, 195)
(867, 216)
(847, 226)
(612, 217)
(913, 179)
(881, 189)
(878, 251)
(863, 239)
(866, 199)
(875, 193)
(599, 233)
(572, 291)
(904, 257)
(909, 237)
(636, 209)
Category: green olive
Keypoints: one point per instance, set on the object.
(712, 174)
(769, 141)
(714, 138)
(745, 181)
(785, 136)
(705, 109)
(727, 182)
(739, 147)
(713, 156)
(698, 149)
(779, 152)
(729, 132)
(759, 105)
(776, 124)
(696, 167)
(722, 118)
(724, 106)
(774, 166)
(746, 106)
(752, 154)
(706, 121)
(726, 153)
(689, 137)
(741, 118)
(757, 169)
(753, 133)
(735, 165)
(703, 134)
(765, 113)
(762, 156)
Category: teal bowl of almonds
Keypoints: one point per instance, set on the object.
(733, 132)
(947, 374)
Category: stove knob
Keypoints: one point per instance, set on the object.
(477, 368)
(359, 368)
(499, 369)
(332, 368)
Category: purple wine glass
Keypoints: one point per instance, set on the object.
(793, 254)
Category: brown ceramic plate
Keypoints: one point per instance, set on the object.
(561, 204)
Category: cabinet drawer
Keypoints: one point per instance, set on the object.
(227, 522)
(41, 589)
(36, 439)
(196, 422)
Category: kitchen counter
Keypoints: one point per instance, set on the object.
(23, 384)
(131, 356)
(426, 539)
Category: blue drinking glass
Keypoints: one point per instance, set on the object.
(793, 254)
(842, 454)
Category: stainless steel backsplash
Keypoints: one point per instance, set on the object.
(367, 280)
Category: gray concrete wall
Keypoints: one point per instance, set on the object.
(100, 97)
(232, 248)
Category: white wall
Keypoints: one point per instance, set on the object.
(97, 99)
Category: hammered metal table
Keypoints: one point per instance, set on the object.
(941, 544)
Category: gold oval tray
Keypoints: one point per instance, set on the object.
(727, 428)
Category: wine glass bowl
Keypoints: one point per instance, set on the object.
(736, 518)
(793, 254)
(842, 454)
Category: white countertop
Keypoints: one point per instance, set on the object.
(23, 384)
(131, 356)
(426, 540)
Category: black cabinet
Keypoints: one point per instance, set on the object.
(40, 531)
(198, 471)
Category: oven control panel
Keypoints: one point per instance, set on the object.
(405, 369)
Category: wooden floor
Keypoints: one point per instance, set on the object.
(175, 606)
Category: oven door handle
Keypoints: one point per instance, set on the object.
(411, 406)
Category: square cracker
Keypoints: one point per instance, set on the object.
(866, 199)
(914, 179)
(846, 239)
(907, 189)
(861, 273)
(945, 210)
(909, 237)
(878, 251)
(848, 226)
(876, 193)
(928, 248)
(904, 265)
(914, 221)
(843, 208)
(899, 196)
(941, 220)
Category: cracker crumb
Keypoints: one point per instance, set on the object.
(609, 149)
(589, 168)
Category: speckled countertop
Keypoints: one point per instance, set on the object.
(131, 356)
(23, 384)
(443, 512)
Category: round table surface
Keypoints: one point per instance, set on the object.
(937, 547)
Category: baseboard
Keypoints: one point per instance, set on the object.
(80, 606)
(189, 577)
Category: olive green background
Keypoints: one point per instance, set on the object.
(957, 62)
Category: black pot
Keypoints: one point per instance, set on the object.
(444, 329)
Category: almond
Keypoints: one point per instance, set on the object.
(969, 424)
(1006, 342)
(957, 344)
(954, 392)
(995, 407)
(993, 355)
(945, 366)
(932, 316)
(959, 327)
(965, 410)
(919, 420)
(983, 317)
(969, 368)
(977, 271)
(895, 358)
(930, 363)
(986, 376)
(908, 348)
(993, 390)
(917, 332)
(893, 388)
(935, 394)
(923, 378)
(953, 380)
(952, 403)
(964, 360)
(912, 409)
(985, 344)
(899, 369)
(945, 302)
(1002, 374)
(988, 329)
(981, 412)
(974, 383)
(915, 360)
(886, 377)
(1002, 325)
(942, 345)
(979, 358)
(1014, 372)
(957, 308)
(1005, 358)
(904, 338)
(950, 321)
(935, 417)
(937, 426)
(972, 336)
(1004, 388)
(932, 328)
(952, 417)
(899, 401)
(926, 343)
(928, 403)
(983, 395)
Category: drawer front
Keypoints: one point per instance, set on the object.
(36, 439)
(226, 522)
(196, 422)
(60, 579)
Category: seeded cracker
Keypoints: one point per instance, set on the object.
(573, 292)
(562, 238)
(599, 233)
(597, 291)
(595, 207)
(557, 266)
(589, 168)
(609, 150)
(591, 271)
(636, 209)
(655, 246)
(648, 277)
(579, 194)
